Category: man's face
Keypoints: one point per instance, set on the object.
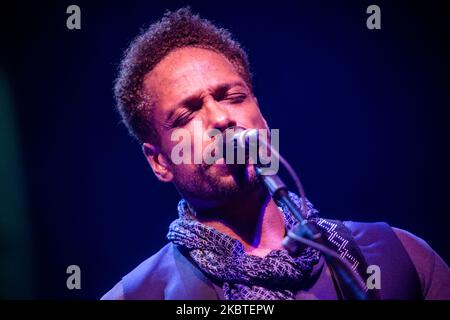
(193, 86)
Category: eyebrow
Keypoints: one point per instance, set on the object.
(217, 88)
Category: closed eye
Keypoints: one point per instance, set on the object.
(235, 97)
(185, 115)
(182, 119)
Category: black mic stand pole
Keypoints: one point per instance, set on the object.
(307, 234)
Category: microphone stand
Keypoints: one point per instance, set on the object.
(349, 284)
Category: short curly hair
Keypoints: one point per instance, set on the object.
(175, 30)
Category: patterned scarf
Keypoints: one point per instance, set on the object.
(243, 276)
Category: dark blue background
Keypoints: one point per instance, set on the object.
(363, 117)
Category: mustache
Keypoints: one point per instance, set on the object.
(224, 142)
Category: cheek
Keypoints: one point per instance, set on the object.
(251, 117)
(185, 151)
(184, 170)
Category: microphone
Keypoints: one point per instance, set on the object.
(239, 137)
(243, 145)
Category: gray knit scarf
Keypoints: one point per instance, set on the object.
(243, 276)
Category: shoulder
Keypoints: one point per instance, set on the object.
(168, 274)
(116, 293)
(381, 247)
(395, 249)
(379, 237)
(433, 272)
(413, 244)
(153, 270)
(418, 250)
(159, 263)
(368, 231)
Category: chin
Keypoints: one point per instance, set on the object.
(218, 183)
(238, 181)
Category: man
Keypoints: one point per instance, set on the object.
(226, 243)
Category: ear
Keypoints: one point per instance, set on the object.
(158, 162)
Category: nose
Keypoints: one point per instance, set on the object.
(219, 116)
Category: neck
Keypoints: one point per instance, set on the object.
(253, 219)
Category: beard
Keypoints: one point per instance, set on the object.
(215, 185)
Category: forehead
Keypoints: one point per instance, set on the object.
(188, 70)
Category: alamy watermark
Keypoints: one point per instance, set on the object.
(74, 20)
(74, 280)
(373, 22)
(190, 148)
